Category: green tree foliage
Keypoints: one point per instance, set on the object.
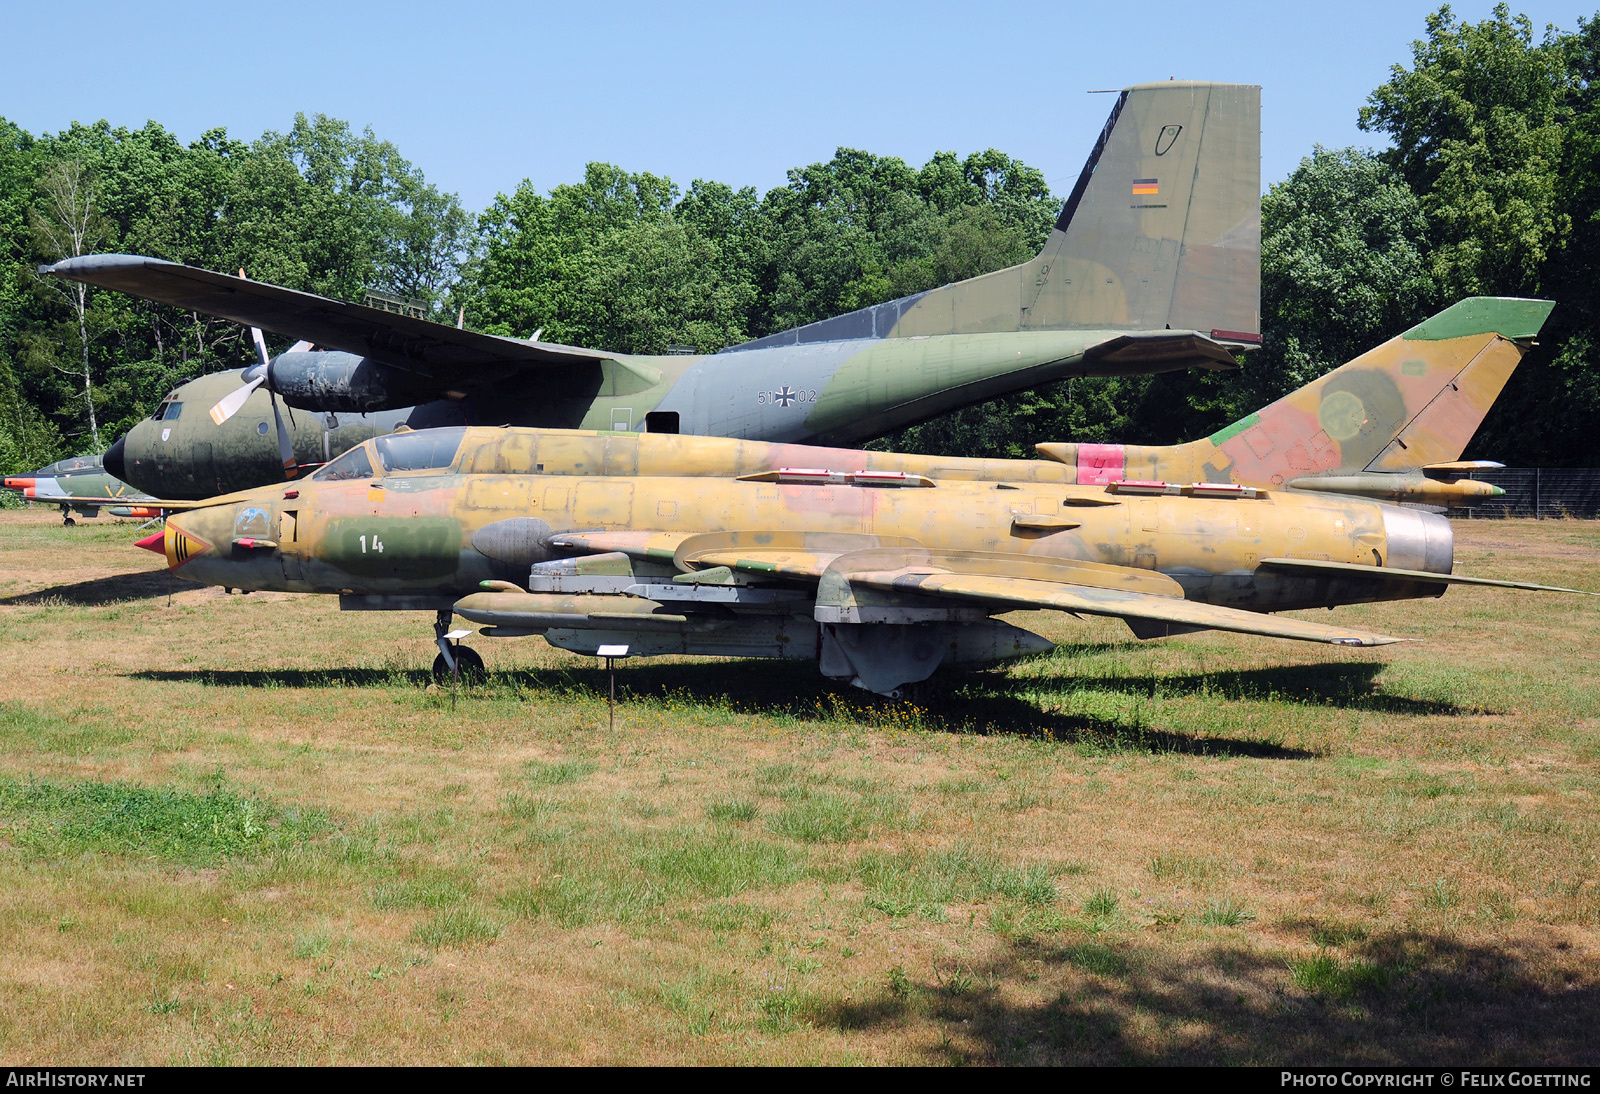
(626, 262)
(608, 263)
(319, 207)
(1495, 132)
(1478, 123)
(1492, 186)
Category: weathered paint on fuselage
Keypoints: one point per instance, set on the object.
(411, 534)
(841, 392)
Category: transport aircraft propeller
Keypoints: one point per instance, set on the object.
(253, 377)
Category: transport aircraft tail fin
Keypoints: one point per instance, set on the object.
(1162, 230)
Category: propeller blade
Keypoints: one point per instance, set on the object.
(291, 468)
(262, 359)
(230, 403)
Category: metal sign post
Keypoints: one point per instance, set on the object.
(610, 652)
(454, 638)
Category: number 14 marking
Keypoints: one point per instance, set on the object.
(377, 545)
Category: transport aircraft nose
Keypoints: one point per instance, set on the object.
(113, 461)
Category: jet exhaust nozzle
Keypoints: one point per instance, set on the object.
(1418, 540)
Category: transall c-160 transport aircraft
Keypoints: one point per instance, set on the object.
(1153, 265)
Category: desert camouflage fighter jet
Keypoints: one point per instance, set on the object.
(879, 576)
(1153, 266)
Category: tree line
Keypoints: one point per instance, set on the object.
(1491, 187)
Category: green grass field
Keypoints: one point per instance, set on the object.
(244, 829)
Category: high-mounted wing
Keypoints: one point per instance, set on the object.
(400, 341)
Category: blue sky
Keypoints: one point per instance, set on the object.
(482, 95)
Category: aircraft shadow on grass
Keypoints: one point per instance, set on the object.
(1346, 685)
(146, 585)
(954, 702)
(1407, 997)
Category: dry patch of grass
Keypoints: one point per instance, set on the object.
(239, 829)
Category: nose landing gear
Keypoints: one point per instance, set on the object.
(455, 661)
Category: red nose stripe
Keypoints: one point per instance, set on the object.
(18, 483)
(156, 543)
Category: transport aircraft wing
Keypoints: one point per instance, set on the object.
(400, 341)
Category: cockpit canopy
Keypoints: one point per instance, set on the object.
(419, 450)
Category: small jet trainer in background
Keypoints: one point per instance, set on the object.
(81, 485)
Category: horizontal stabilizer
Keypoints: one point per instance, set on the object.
(1140, 351)
(1459, 467)
(1350, 569)
(400, 341)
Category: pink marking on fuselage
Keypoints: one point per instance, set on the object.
(1099, 464)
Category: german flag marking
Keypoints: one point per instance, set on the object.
(1146, 186)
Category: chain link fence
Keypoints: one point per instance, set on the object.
(1539, 492)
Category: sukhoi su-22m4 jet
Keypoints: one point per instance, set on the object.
(880, 576)
(1153, 265)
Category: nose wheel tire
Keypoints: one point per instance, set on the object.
(67, 522)
(472, 669)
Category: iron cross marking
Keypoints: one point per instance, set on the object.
(786, 396)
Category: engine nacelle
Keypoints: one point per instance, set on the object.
(335, 381)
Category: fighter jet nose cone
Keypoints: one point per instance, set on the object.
(113, 460)
(156, 543)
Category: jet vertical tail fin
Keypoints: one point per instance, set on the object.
(1406, 408)
(1412, 402)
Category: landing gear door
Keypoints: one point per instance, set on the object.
(289, 543)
